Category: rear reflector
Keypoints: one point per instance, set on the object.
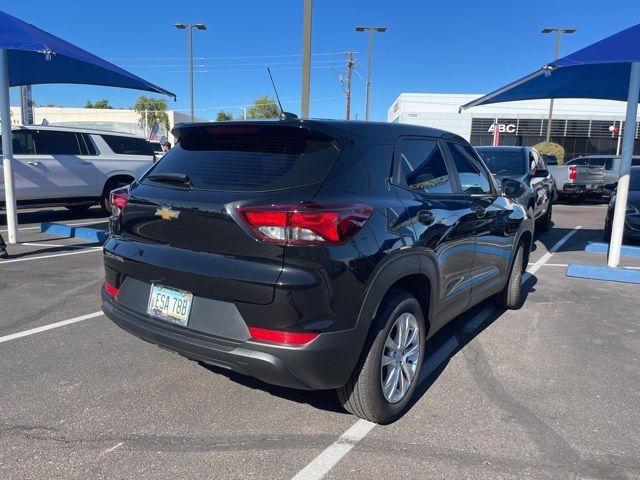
(278, 336)
(111, 290)
(308, 224)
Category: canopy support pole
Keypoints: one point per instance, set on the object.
(7, 149)
(622, 193)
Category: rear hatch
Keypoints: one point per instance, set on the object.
(586, 174)
(180, 226)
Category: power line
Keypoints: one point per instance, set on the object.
(231, 58)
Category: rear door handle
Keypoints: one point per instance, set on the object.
(426, 217)
(480, 212)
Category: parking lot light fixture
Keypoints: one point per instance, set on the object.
(371, 30)
(190, 27)
(559, 32)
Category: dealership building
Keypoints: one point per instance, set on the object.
(581, 126)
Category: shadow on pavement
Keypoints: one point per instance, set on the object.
(57, 215)
(440, 348)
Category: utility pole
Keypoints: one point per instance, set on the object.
(190, 27)
(371, 30)
(350, 64)
(306, 58)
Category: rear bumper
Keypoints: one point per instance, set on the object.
(324, 363)
(572, 188)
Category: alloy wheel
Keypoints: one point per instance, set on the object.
(400, 357)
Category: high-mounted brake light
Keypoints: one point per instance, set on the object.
(279, 336)
(118, 199)
(573, 172)
(111, 290)
(308, 224)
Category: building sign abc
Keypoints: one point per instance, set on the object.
(502, 128)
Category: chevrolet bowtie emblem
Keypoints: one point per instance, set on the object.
(166, 213)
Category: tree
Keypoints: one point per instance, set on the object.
(104, 103)
(223, 116)
(264, 107)
(551, 148)
(153, 110)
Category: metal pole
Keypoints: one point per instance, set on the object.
(190, 27)
(306, 58)
(622, 192)
(7, 149)
(366, 110)
(146, 123)
(349, 72)
(557, 55)
(619, 139)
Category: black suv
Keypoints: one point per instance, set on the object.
(526, 165)
(312, 254)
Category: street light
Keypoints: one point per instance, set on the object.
(190, 27)
(559, 32)
(370, 30)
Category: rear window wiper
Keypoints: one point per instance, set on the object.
(172, 177)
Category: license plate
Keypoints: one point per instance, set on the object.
(169, 304)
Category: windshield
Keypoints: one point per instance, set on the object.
(634, 180)
(247, 158)
(503, 162)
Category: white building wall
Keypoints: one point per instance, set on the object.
(441, 110)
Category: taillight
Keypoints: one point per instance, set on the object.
(279, 336)
(573, 172)
(111, 290)
(308, 224)
(118, 199)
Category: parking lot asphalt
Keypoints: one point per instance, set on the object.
(548, 391)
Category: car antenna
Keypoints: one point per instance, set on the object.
(283, 115)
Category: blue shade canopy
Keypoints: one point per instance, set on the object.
(600, 70)
(37, 57)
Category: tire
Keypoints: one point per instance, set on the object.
(104, 198)
(510, 296)
(78, 208)
(545, 223)
(364, 394)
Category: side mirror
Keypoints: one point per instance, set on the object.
(541, 173)
(512, 188)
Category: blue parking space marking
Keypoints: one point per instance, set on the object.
(85, 233)
(596, 272)
(603, 248)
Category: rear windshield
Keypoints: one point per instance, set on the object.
(250, 158)
(503, 162)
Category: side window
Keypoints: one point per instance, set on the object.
(22, 143)
(86, 145)
(422, 166)
(128, 145)
(50, 142)
(473, 178)
(539, 161)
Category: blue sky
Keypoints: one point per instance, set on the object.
(449, 47)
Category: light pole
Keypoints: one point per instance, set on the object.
(306, 58)
(559, 32)
(370, 30)
(190, 26)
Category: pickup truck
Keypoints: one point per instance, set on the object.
(611, 165)
(71, 167)
(575, 182)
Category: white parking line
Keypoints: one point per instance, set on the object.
(40, 257)
(324, 462)
(545, 258)
(51, 326)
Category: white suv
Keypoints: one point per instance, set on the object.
(72, 167)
